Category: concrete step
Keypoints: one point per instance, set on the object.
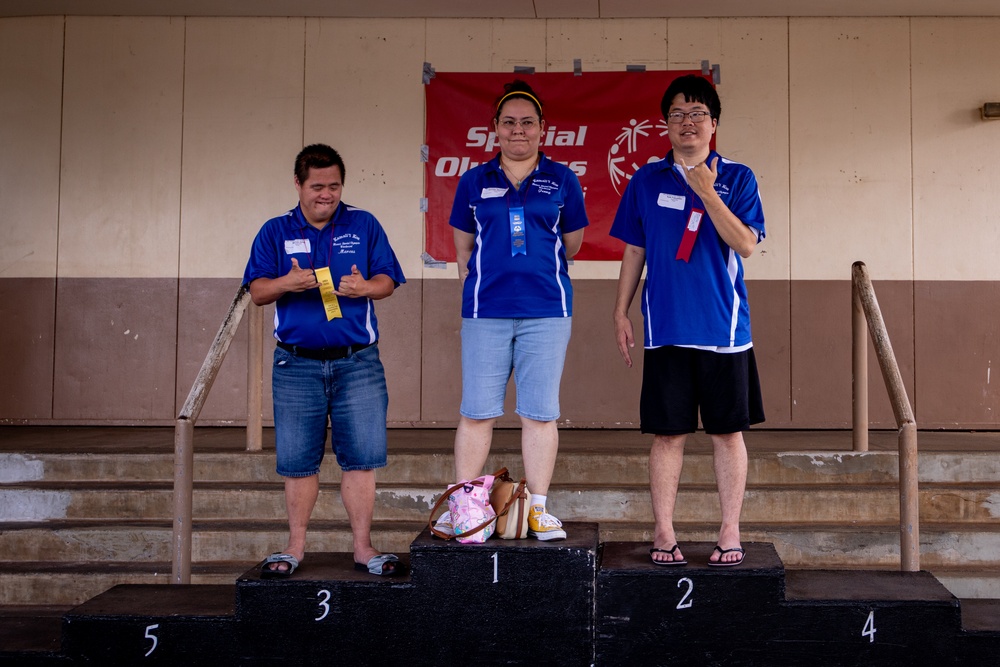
(792, 503)
(66, 584)
(434, 466)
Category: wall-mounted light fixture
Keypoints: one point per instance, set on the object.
(991, 111)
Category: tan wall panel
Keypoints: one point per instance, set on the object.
(115, 349)
(518, 43)
(120, 183)
(441, 352)
(459, 45)
(30, 115)
(821, 389)
(605, 45)
(203, 303)
(242, 129)
(770, 317)
(366, 99)
(849, 100)
(752, 55)
(957, 329)
(598, 389)
(956, 229)
(26, 347)
(400, 341)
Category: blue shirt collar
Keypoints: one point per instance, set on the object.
(668, 162)
(544, 164)
(298, 219)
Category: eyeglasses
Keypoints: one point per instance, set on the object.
(695, 116)
(527, 124)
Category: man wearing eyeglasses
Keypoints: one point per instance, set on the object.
(689, 219)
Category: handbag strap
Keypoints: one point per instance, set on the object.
(502, 472)
(518, 493)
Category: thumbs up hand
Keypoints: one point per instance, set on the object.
(353, 284)
(299, 279)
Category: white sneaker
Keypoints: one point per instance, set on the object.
(443, 524)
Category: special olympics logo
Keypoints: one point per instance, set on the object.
(634, 148)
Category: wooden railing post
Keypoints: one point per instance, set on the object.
(859, 365)
(183, 497)
(255, 379)
(909, 498)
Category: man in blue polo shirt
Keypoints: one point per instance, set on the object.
(325, 264)
(689, 218)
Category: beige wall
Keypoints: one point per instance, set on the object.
(139, 156)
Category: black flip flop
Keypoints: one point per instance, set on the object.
(670, 551)
(723, 552)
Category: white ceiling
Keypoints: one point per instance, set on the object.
(502, 8)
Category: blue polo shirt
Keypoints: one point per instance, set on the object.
(353, 236)
(702, 302)
(501, 284)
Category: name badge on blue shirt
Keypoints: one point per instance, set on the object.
(518, 245)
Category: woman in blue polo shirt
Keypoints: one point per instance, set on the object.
(517, 219)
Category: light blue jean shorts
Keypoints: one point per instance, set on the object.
(348, 393)
(534, 350)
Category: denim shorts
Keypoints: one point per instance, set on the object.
(533, 349)
(348, 393)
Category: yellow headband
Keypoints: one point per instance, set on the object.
(519, 92)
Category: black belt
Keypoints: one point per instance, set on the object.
(323, 353)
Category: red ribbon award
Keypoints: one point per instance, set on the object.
(690, 234)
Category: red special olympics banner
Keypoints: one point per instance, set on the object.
(602, 125)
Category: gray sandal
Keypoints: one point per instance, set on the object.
(267, 572)
(385, 565)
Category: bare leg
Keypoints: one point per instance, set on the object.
(539, 446)
(731, 476)
(472, 445)
(300, 499)
(666, 459)
(357, 491)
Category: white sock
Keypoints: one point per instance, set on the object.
(538, 500)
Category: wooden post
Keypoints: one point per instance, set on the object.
(909, 499)
(255, 379)
(859, 365)
(183, 490)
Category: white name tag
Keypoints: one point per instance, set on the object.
(491, 193)
(695, 220)
(293, 246)
(670, 201)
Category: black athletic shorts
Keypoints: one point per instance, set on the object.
(677, 381)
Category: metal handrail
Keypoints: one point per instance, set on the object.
(184, 429)
(865, 308)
